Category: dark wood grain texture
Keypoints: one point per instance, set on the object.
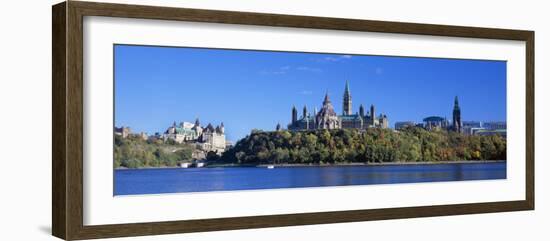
(530, 120)
(67, 137)
(59, 126)
(74, 120)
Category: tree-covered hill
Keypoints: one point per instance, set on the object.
(363, 146)
(134, 152)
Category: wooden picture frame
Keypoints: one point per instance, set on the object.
(67, 124)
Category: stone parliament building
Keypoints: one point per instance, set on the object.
(327, 118)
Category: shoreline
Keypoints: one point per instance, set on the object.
(383, 163)
(327, 165)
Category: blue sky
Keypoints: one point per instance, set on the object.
(155, 86)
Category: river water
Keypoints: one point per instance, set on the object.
(176, 180)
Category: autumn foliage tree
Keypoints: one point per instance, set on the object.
(363, 146)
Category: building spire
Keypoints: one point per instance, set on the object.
(294, 114)
(346, 110)
(327, 100)
(372, 114)
(457, 119)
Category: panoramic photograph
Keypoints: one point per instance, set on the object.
(192, 119)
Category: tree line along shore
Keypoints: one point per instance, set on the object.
(320, 147)
(135, 152)
(373, 145)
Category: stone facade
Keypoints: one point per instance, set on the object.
(213, 139)
(125, 132)
(435, 123)
(457, 119)
(207, 138)
(183, 132)
(122, 131)
(327, 118)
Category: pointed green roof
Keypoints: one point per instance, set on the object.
(346, 92)
(456, 107)
(347, 85)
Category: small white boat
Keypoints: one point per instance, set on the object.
(200, 164)
(270, 166)
(184, 165)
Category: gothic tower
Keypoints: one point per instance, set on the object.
(362, 111)
(294, 114)
(314, 117)
(372, 114)
(347, 101)
(457, 121)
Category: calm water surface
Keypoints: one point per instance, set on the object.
(174, 180)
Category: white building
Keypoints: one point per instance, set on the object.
(471, 127)
(209, 138)
(213, 139)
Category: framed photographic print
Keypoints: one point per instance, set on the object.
(171, 120)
